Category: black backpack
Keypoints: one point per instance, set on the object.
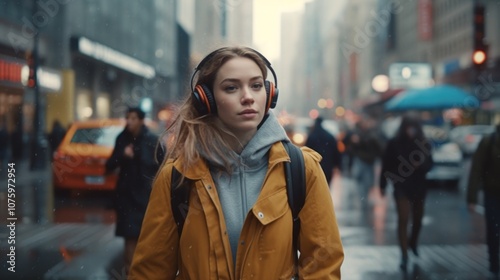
(295, 185)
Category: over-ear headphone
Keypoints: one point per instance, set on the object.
(204, 98)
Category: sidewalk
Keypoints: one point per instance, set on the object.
(452, 240)
(47, 250)
(435, 262)
(64, 251)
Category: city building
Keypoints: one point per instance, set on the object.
(446, 36)
(218, 23)
(94, 59)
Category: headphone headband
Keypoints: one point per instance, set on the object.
(204, 99)
(210, 55)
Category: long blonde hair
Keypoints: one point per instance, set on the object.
(193, 136)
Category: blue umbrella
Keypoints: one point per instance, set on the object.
(433, 98)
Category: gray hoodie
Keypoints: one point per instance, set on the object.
(239, 191)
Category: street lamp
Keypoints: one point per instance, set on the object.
(38, 141)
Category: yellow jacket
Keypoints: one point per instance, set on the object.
(265, 251)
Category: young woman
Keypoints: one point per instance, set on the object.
(228, 144)
(406, 161)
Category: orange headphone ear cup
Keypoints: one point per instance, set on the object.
(204, 100)
(272, 95)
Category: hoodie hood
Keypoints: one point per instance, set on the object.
(269, 133)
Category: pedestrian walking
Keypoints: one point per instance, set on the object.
(137, 157)
(323, 142)
(56, 135)
(405, 162)
(484, 175)
(17, 144)
(365, 149)
(4, 146)
(229, 145)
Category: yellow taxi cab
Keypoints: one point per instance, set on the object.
(79, 161)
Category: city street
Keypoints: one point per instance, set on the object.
(73, 238)
(451, 241)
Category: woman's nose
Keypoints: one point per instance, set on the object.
(247, 95)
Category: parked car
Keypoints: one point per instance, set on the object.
(447, 157)
(468, 136)
(79, 161)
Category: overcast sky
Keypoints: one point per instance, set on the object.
(266, 24)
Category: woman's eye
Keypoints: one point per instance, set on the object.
(230, 88)
(257, 86)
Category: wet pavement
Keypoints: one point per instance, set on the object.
(73, 238)
(451, 241)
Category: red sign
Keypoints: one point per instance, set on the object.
(10, 72)
(425, 20)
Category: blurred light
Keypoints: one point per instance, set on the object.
(87, 112)
(380, 83)
(329, 103)
(479, 57)
(25, 72)
(49, 79)
(321, 103)
(159, 53)
(298, 138)
(313, 113)
(115, 58)
(146, 104)
(406, 72)
(340, 111)
(164, 115)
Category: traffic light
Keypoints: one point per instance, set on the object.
(480, 52)
(479, 30)
(479, 57)
(30, 61)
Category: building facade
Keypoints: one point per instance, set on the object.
(99, 58)
(441, 33)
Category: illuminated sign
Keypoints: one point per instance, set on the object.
(48, 79)
(113, 57)
(10, 71)
(410, 75)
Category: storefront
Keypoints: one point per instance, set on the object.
(15, 116)
(17, 102)
(108, 81)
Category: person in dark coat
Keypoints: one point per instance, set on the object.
(484, 176)
(56, 135)
(137, 156)
(365, 149)
(325, 144)
(405, 162)
(4, 146)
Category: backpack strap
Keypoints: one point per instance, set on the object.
(179, 199)
(296, 190)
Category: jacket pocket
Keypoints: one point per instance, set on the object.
(271, 208)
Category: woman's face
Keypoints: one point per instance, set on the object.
(134, 124)
(240, 96)
(411, 131)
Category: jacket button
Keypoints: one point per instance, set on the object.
(261, 215)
